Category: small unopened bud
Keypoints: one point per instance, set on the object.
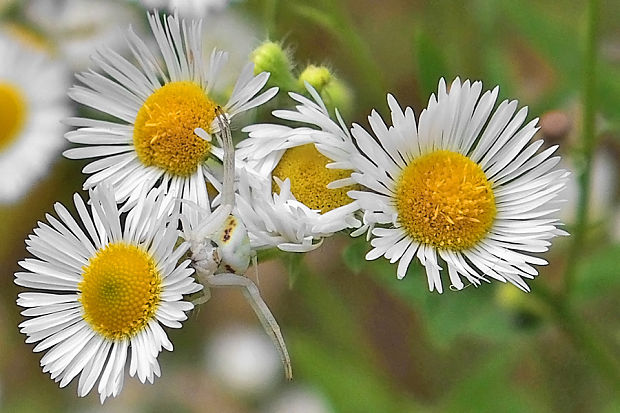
(333, 91)
(318, 77)
(523, 306)
(271, 57)
(555, 126)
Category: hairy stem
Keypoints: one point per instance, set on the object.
(588, 143)
(340, 25)
(269, 17)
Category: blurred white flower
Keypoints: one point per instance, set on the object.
(32, 104)
(243, 360)
(79, 27)
(299, 400)
(187, 8)
(238, 35)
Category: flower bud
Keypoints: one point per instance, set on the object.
(317, 76)
(335, 93)
(271, 57)
(524, 307)
(555, 126)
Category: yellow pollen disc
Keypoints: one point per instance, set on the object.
(12, 114)
(164, 128)
(305, 167)
(444, 199)
(120, 290)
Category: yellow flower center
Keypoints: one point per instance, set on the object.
(164, 128)
(12, 114)
(444, 199)
(120, 290)
(305, 167)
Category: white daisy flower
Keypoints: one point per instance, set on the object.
(274, 219)
(159, 111)
(101, 289)
(300, 181)
(461, 189)
(77, 27)
(243, 360)
(188, 8)
(32, 104)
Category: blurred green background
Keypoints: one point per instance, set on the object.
(360, 340)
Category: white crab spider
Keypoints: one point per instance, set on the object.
(220, 247)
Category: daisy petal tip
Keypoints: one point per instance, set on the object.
(201, 133)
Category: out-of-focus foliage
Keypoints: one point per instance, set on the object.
(360, 338)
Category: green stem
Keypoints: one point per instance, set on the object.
(583, 336)
(341, 26)
(269, 17)
(588, 143)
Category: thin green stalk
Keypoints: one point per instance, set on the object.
(583, 337)
(341, 26)
(362, 54)
(588, 143)
(269, 17)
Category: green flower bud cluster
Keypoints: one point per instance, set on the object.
(272, 57)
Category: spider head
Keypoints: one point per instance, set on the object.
(205, 255)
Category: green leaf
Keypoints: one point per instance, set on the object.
(353, 385)
(326, 307)
(332, 352)
(597, 274)
(471, 312)
(353, 255)
(337, 21)
(489, 389)
(430, 63)
(562, 45)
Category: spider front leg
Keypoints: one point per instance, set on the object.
(221, 243)
(205, 296)
(252, 294)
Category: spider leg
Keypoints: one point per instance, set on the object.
(228, 184)
(252, 294)
(214, 222)
(216, 219)
(204, 297)
(255, 265)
